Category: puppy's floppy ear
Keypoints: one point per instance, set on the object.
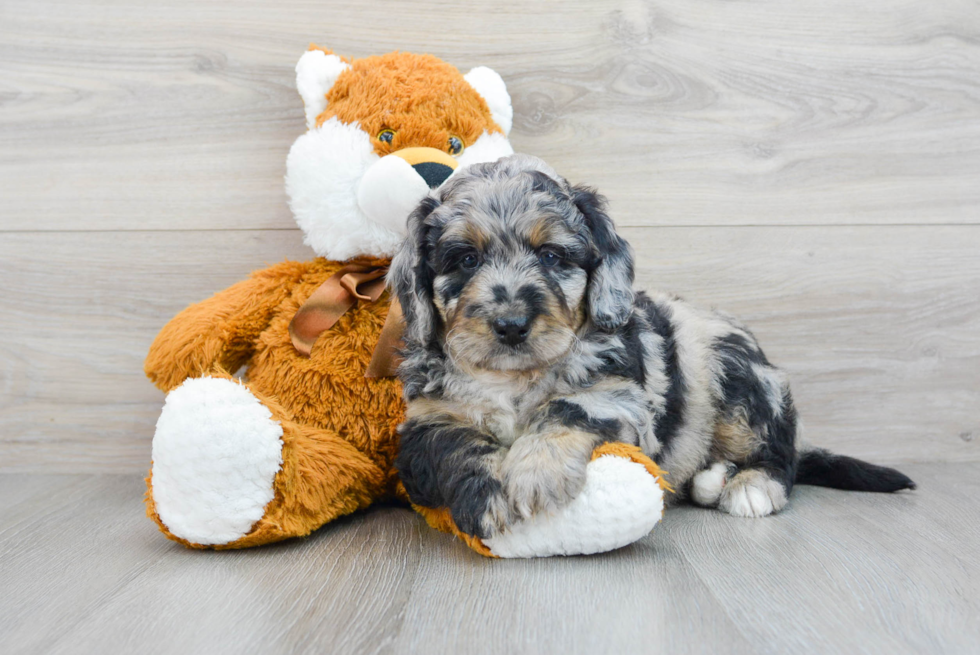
(610, 291)
(411, 277)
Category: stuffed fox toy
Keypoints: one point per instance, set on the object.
(310, 433)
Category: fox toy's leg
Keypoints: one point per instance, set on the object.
(230, 470)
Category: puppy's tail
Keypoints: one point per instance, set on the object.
(826, 469)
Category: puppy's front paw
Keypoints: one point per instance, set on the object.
(540, 475)
(479, 508)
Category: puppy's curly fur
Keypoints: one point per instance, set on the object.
(526, 347)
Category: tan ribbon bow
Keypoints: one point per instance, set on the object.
(342, 290)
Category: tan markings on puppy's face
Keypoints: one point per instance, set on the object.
(509, 282)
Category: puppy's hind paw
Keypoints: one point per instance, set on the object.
(707, 485)
(753, 494)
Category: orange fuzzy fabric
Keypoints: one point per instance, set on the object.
(422, 98)
(339, 428)
(441, 519)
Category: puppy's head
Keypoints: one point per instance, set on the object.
(507, 262)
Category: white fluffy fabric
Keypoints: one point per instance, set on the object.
(316, 72)
(324, 173)
(389, 191)
(492, 89)
(620, 503)
(216, 453)
(489, 147)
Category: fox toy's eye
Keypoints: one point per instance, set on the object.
(386, 136)
(455, 145)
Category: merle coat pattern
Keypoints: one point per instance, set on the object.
(526, 347)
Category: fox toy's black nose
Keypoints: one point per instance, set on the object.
(511, 330)
(432, 165)
(433, 172)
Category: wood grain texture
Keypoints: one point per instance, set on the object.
(178, 114)
(83, 570)
(749, 145)
(879, 328)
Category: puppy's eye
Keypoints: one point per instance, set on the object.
(549, 258)
(386, 136)
(469, 261)
(455, 146)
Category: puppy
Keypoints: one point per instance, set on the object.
(526, 347)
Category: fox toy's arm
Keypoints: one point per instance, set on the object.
(221, 330)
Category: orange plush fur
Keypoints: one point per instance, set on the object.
(339, 428)
(422, 98)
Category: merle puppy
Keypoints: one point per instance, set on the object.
(526, 347)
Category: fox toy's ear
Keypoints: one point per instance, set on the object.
(492, 89)
(316, 72)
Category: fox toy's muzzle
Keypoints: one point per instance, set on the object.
(433, 166)
(395, 184)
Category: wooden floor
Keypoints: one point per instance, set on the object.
(85, 572)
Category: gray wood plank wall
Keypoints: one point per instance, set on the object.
(812, 167)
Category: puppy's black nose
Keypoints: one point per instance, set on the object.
(511, 330)
(433, 172)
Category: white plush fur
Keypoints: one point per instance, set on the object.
(492, 89)
(325, 171)
(216, 453)
(389, 191)
(620, 503)
(489, 147)
(316, 72)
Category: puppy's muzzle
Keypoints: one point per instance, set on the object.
(511, 330)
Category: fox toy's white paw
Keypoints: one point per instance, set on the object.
(620, 503)
(216, 453)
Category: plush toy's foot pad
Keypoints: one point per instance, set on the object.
(216, 453)
(623, 499)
